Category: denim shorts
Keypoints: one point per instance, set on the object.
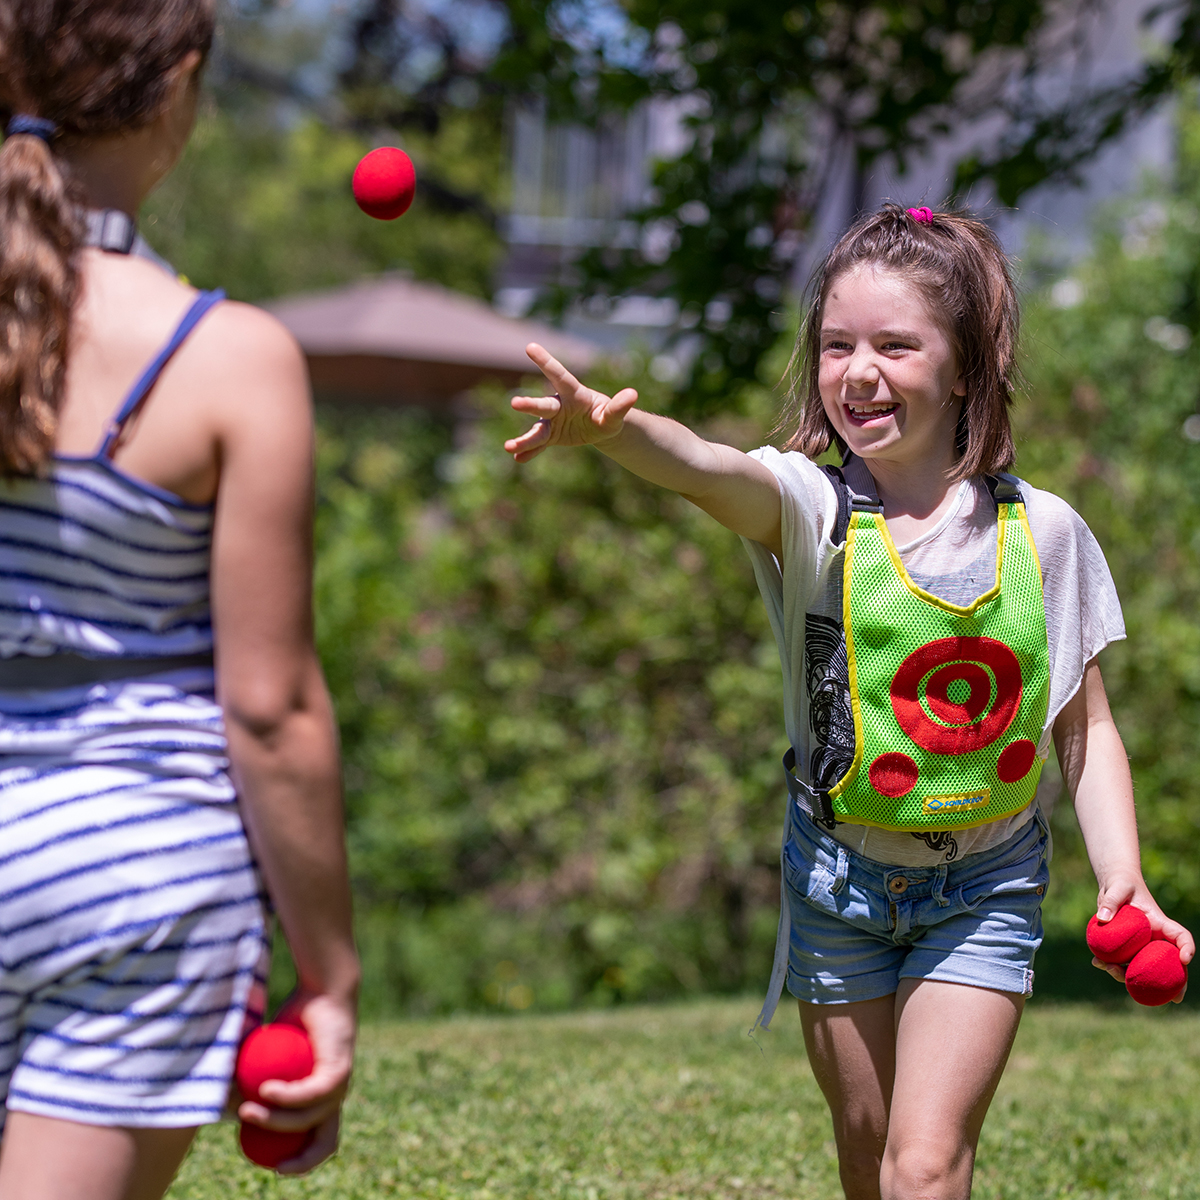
(859, 926)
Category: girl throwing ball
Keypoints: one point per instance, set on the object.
(938, 622)
(168, 761)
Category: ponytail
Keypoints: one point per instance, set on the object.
(89, 69)
(39, 281)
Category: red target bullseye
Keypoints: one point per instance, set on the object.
(958, 712)
(990, 671)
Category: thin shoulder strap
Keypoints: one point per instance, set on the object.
(148, 378)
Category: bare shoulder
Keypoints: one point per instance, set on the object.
(250, 365)
(249, 340)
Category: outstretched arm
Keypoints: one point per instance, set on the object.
(1097, 776)
(731, 486)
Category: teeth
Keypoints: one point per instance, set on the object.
(868, 410)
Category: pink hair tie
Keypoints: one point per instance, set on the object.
(922, 216)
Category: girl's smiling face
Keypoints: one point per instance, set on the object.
(889, 378)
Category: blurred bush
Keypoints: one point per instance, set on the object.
(560, 708)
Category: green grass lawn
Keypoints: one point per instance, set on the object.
(678, 1102)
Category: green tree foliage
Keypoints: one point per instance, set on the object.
(263, 211)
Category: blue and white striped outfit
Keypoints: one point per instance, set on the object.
(133, 922)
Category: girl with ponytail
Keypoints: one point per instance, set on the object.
(168, 758)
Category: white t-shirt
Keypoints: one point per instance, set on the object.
(955, 561)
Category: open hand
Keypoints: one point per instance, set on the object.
(574, 416)
(314, 1102)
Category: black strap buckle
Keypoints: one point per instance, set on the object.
(849, 502)
(1005, 488)
(813, 800)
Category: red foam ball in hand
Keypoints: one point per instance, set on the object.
(384, 183)
(1118, 940)
(1156, 974)
(272, 1052)
(270, 1147)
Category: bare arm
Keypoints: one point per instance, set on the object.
(279, 720)
(1097, 776)
(731, 486)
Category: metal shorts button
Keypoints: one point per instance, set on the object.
(898, 885)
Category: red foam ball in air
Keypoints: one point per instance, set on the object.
(384, 183)
(272, 1052)
(1118, 940)
(1156, 974)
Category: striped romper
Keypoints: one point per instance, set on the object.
(133, 941)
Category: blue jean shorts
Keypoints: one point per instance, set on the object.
(859, 926)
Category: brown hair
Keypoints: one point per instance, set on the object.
(959, 266)
(94, 68)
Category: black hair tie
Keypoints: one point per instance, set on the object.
(38, 127)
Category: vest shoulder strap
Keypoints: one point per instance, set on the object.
(1005, 488)
(849, 502)
(842, 524)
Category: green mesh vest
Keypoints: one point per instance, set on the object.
(949, 702)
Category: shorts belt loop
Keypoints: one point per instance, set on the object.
(939, 882)
(841, 871)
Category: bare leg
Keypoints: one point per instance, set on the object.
(852, 1049)
(952, 1042)
(42, 1158)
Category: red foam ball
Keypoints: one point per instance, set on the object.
(270, 1147)
(1118, 940)
(384, 183)
(1156, 974)
(272, 1052)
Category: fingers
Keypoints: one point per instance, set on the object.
(530, 443)
(564, 382)
(288, 1120)
(538, 406)
(1172, 931)
(618, 406)
(322, 1147)
(1113, 898)
(326, 1080)
(1113, 969)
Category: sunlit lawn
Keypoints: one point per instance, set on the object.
(678, 1102)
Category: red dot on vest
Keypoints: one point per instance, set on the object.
(893, 774)
(1016, 760)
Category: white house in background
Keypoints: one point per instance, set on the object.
(572, 186)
